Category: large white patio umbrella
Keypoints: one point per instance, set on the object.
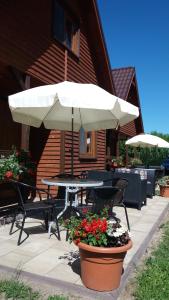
(147, 140)
(70, 106)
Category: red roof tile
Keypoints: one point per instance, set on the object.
(122, 79)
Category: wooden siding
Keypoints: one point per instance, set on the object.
(48, 155)
(82, 69)
(80, 164)
(27, 45)
(129, 129)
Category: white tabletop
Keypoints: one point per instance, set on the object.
(72, 182)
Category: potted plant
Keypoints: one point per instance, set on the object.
(117, 162)
(103, 243)
(17, 166)
(164, 186)
(134, 162)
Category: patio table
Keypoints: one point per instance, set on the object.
(72, 186)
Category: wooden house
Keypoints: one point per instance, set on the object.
(45, 42)
(125, 84)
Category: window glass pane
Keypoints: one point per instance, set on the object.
(58, 22)
(87, 144)
(65, 27)
(75, 38)
(68, 34)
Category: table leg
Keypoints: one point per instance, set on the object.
(69, 204)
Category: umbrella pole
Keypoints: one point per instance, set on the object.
(72, 149)
(127, 156)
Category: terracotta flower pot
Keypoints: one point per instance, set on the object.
(101, 268)
(164, 191)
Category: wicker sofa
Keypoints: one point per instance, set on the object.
(136, 191)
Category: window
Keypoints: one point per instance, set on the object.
(65, 28)
(87, 144)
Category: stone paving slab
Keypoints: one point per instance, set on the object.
(57, 261)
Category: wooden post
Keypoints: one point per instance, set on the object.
(25, 132)
(24, 85)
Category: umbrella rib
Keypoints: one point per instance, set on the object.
(50, 110)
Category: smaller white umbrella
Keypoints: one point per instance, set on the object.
(147, 140)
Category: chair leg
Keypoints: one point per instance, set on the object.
(67, 235)
(127, 219)
(58, 230)
(21, 230)
(46, 219)
(12, 225)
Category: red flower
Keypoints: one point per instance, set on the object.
(84, 222)
(93, 230)
(84, 210)
(88, 228)
(77, 241)
(17, 153)
(77, 233)
(9, 174)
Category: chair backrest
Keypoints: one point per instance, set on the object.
(8, 199)
(109, 195)
(23, 191)
(121, 185)
(105, 176)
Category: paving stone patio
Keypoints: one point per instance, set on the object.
(59, 260)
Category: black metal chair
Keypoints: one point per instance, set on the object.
(105, 176)
(110, 196)
(8, 200)
(118, 200)
(33, 209)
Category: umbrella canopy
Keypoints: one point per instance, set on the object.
(93, 107)
(70, 106)
(147, 140)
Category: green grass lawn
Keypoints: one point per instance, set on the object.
(16, 290)
(153, 282)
